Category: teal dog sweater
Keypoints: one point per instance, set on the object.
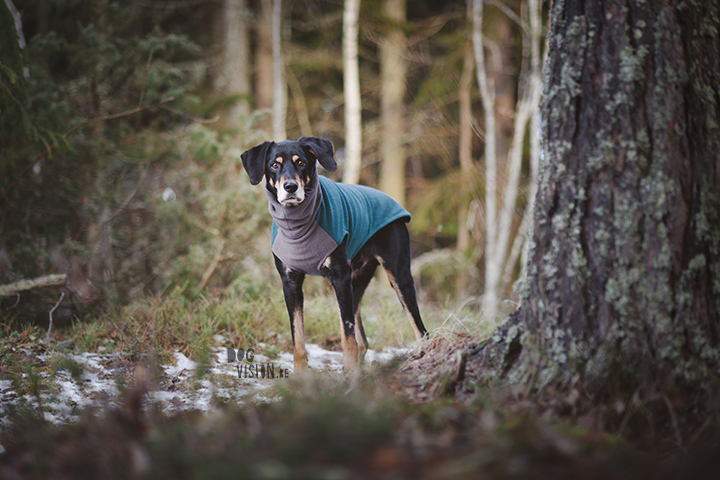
(303, 236)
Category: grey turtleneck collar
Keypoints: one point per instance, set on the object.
(298, 240)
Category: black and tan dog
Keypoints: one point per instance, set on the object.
(338, 231)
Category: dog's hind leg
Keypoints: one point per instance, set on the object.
(394, 256)
(363, 269)
(337, 270)
(292, 281)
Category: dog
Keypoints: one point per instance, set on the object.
(339, 231)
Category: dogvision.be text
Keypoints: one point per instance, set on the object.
(257, 370)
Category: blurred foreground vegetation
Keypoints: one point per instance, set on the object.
(324, 426)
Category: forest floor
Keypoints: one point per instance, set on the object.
(411, 413)
(96, 380)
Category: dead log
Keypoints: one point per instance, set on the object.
(54, 280)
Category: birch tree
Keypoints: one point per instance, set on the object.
(351, 86)
(499, 212)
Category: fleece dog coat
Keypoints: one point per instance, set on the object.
(303, 236)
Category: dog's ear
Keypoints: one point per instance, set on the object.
(254, 161)
(320, 149)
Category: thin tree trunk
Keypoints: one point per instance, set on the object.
(500, 219)
(465, 146)
(622, 295)
(351, 85)
(487, 95)
(526, 111)
(303, 115)
(279, 83)
(535, 15)
(393, 67)
(523, 112)
(236, 46)
(264, 76)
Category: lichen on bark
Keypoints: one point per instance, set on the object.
(623, 285)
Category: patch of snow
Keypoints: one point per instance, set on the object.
(189, 386)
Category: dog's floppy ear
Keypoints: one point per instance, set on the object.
(254, 161)
(320, 149)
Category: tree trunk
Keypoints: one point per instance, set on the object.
(351, 85)
(393, 67)
(465, 147)
(623, 286)
(236, 46)
(535, 15)
(264, 61)
(526, 112)
(279, 83)
(486, 85)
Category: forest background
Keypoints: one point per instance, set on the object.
(123, 123)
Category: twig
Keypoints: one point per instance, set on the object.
(696, 436)
(47, 335)
(213, 266)
(147, 71)
(190, 117)
(174, 5)
(118, 115)
(17, 301)
(511, 15)
(84, 122)
(673, 421)
(127, 200)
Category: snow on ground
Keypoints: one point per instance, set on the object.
(187, 385)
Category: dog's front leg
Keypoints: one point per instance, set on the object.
(337, 269)
(292, 281)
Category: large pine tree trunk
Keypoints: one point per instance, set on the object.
(623, 286)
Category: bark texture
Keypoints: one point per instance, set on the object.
(623, 286)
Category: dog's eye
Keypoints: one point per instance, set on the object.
(301, 163)
(275, 165)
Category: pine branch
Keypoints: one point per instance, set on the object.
(73, 129)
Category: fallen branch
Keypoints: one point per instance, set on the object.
(190, 117)
(54, 280)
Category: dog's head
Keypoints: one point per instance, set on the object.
(288, 166)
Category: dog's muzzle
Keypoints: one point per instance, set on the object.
(290, 193)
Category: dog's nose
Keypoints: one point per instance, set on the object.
(290, 186)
